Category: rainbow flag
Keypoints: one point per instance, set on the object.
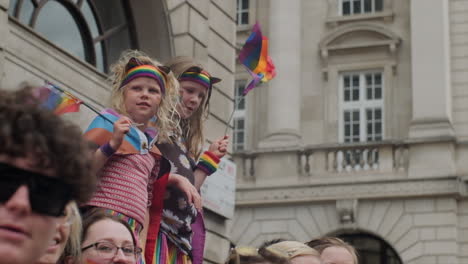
(254, 56)
(101, 128)
(57, 100)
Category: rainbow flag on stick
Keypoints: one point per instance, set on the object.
(254, 56)
(57, 100)
(60, 102)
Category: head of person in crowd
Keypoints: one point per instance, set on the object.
(107, 239)
(44, 164)
(271, 242)
(334, 250)
(295, 252)
(66, 243)
(250, 255)
(196, 85)
(145, 91)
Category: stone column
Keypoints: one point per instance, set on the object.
(284, 104)
(3, 40)
(430, 49)
(432, 106)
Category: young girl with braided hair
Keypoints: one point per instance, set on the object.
(174, 241)
(144, 94)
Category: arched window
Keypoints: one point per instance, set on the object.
(371, 249)
(95, 31)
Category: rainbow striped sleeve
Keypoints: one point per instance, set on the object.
(208, 163)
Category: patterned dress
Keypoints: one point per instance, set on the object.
(175, 235)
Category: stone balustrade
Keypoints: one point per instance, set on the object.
(332, 159)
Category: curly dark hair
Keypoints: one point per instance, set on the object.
(29, 131)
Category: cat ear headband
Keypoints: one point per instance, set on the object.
(135, 69)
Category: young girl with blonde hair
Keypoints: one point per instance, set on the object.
(144, 94)
(174, 241)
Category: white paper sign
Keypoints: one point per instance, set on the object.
(219, 190)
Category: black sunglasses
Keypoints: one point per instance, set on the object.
(47, 195)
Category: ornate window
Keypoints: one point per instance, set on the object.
(361, 106)
(95, 31)
(242, 12)
(239, 116)
(372, 249)
(354, 7)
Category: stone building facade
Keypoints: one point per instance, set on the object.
(72, 43)
(363, 133)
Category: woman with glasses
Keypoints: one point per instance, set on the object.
(107, 239)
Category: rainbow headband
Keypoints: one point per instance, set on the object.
(202, 78)
(146, 71)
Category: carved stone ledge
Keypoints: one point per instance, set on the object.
(378, 16)
(364, 190)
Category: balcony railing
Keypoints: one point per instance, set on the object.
(377, 157)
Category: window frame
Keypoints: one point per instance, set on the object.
(239, 114)
(362, 3)
(236, 145)
(90, 42)
(240, 10)
(361, 105)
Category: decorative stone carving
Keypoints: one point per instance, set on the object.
(341, 39)
(347, 211)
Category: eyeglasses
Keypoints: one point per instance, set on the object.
(47, 195)
(109, 250)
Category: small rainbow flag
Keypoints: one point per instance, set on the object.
(254, 56)
(101, 128)
(57, 100)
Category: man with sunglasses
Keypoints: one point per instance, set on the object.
(44, 164)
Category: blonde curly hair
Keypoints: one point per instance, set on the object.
(192, 128)
(167, 116)
(73, 245)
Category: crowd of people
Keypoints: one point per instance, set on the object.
(323, 250)
(128, 189)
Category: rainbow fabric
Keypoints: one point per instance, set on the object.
(146, 71)
(132, 223)
(202, 78)
(254, 56)
(57, 100)
(208, 163)
(168, 253)
(101, 128)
